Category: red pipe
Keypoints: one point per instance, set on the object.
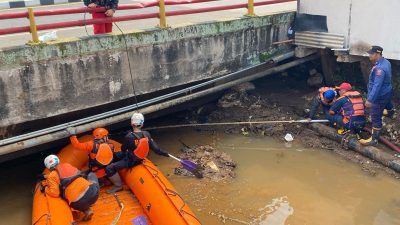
(54, 12)
(272, 2)
(385, 141)
(13, 15)
(221, 8)
(95, 21)
(120, 18)
(13, 30)
(208, 9)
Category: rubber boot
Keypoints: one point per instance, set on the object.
(373, 140)
(116, 180)
(388, 113)
(88, 215)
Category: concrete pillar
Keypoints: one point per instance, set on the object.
(365, 66)
(328, 62)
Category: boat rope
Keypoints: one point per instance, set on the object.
(236, 123)
(121, 206)
(168, 191)
(47, 219)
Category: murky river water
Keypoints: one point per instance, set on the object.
(276, 184)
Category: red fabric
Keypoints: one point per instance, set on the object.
(101, 28)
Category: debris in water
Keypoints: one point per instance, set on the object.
(212, 165)
(224, 218)
(216, 165)
(275, 213)
(289, 137)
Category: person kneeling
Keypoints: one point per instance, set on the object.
(136, 146)
(348, 110)
(67, 182)
(100, 153)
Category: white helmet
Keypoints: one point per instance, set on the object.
(137, 119)
(51, 161)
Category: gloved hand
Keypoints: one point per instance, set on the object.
(71, 130)
(165, 153)
(40, 177)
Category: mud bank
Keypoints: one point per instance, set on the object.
(265, 101)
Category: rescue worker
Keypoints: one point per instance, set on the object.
(348, 110)
(380, 92)
(100, 152)
(326, 97)
(67, 182)
(110, 5)
(136, 146)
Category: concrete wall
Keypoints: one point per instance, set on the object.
(49, 80)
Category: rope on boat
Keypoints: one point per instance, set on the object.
(121, 206)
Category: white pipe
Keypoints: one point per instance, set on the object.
(236, 123)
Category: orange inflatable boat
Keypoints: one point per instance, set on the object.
(150, 198)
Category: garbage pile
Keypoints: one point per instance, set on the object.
(216, 165)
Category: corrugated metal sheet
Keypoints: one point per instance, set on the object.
(319, 40)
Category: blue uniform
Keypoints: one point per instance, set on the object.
(380, 90)
(355, 124)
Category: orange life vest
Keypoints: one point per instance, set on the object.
(321, 91)
(67, 175)
(142, 146)
(353, 108)
(100, 156)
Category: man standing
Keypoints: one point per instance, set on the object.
(380, 92)
(110, 6)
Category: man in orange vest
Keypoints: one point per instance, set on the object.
(136, 146)
(101, 154)
(348, 110)
(67, 182)
(326, 97)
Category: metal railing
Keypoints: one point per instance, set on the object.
(33, 28)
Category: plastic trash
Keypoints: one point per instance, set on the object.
(212, 165)
(139, 220)
(289, 137)
(50, 36)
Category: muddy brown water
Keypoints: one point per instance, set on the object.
(276, 184)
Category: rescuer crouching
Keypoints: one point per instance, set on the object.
(348, 110)
(325, 98)
(101, 153)
(136, 146)
(67, 182)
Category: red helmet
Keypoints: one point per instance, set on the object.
(99, 133)
(346, 86)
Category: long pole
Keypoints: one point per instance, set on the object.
(236, 123)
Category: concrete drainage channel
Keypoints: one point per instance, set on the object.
(22, 142)
(40, 137)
